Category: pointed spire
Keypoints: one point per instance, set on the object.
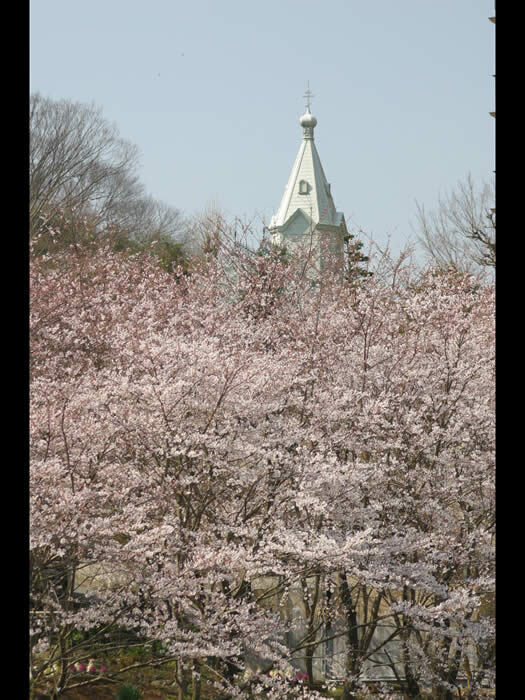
(307, 211)
(308, 189)
(308, 121)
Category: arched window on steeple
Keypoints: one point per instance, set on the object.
(303, 187)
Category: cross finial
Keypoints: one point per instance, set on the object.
(308, 95)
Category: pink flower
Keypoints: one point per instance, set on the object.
(299, 676)
(102, 669)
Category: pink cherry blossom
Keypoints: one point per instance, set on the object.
(192, 436)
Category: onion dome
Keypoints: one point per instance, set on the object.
(308, 120)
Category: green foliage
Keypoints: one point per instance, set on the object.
(354, 259)
(279, 252)
(62, 229)
(170, 253)
(135, 654)
(129, 692)
(158, 648)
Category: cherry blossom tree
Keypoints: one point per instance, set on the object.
(193, 434)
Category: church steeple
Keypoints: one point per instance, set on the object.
(307, 207)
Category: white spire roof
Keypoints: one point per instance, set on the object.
(307, 187)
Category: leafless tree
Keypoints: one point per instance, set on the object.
(144, 218)
(79, 162)
(461, 231)
(77, 158)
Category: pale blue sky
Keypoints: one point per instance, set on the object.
(211, 92)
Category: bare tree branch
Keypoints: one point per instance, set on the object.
(78, 161)
(461, 232)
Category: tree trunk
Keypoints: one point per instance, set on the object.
(352, 665)
(311, 610)
(181, 681)
(196, 681)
